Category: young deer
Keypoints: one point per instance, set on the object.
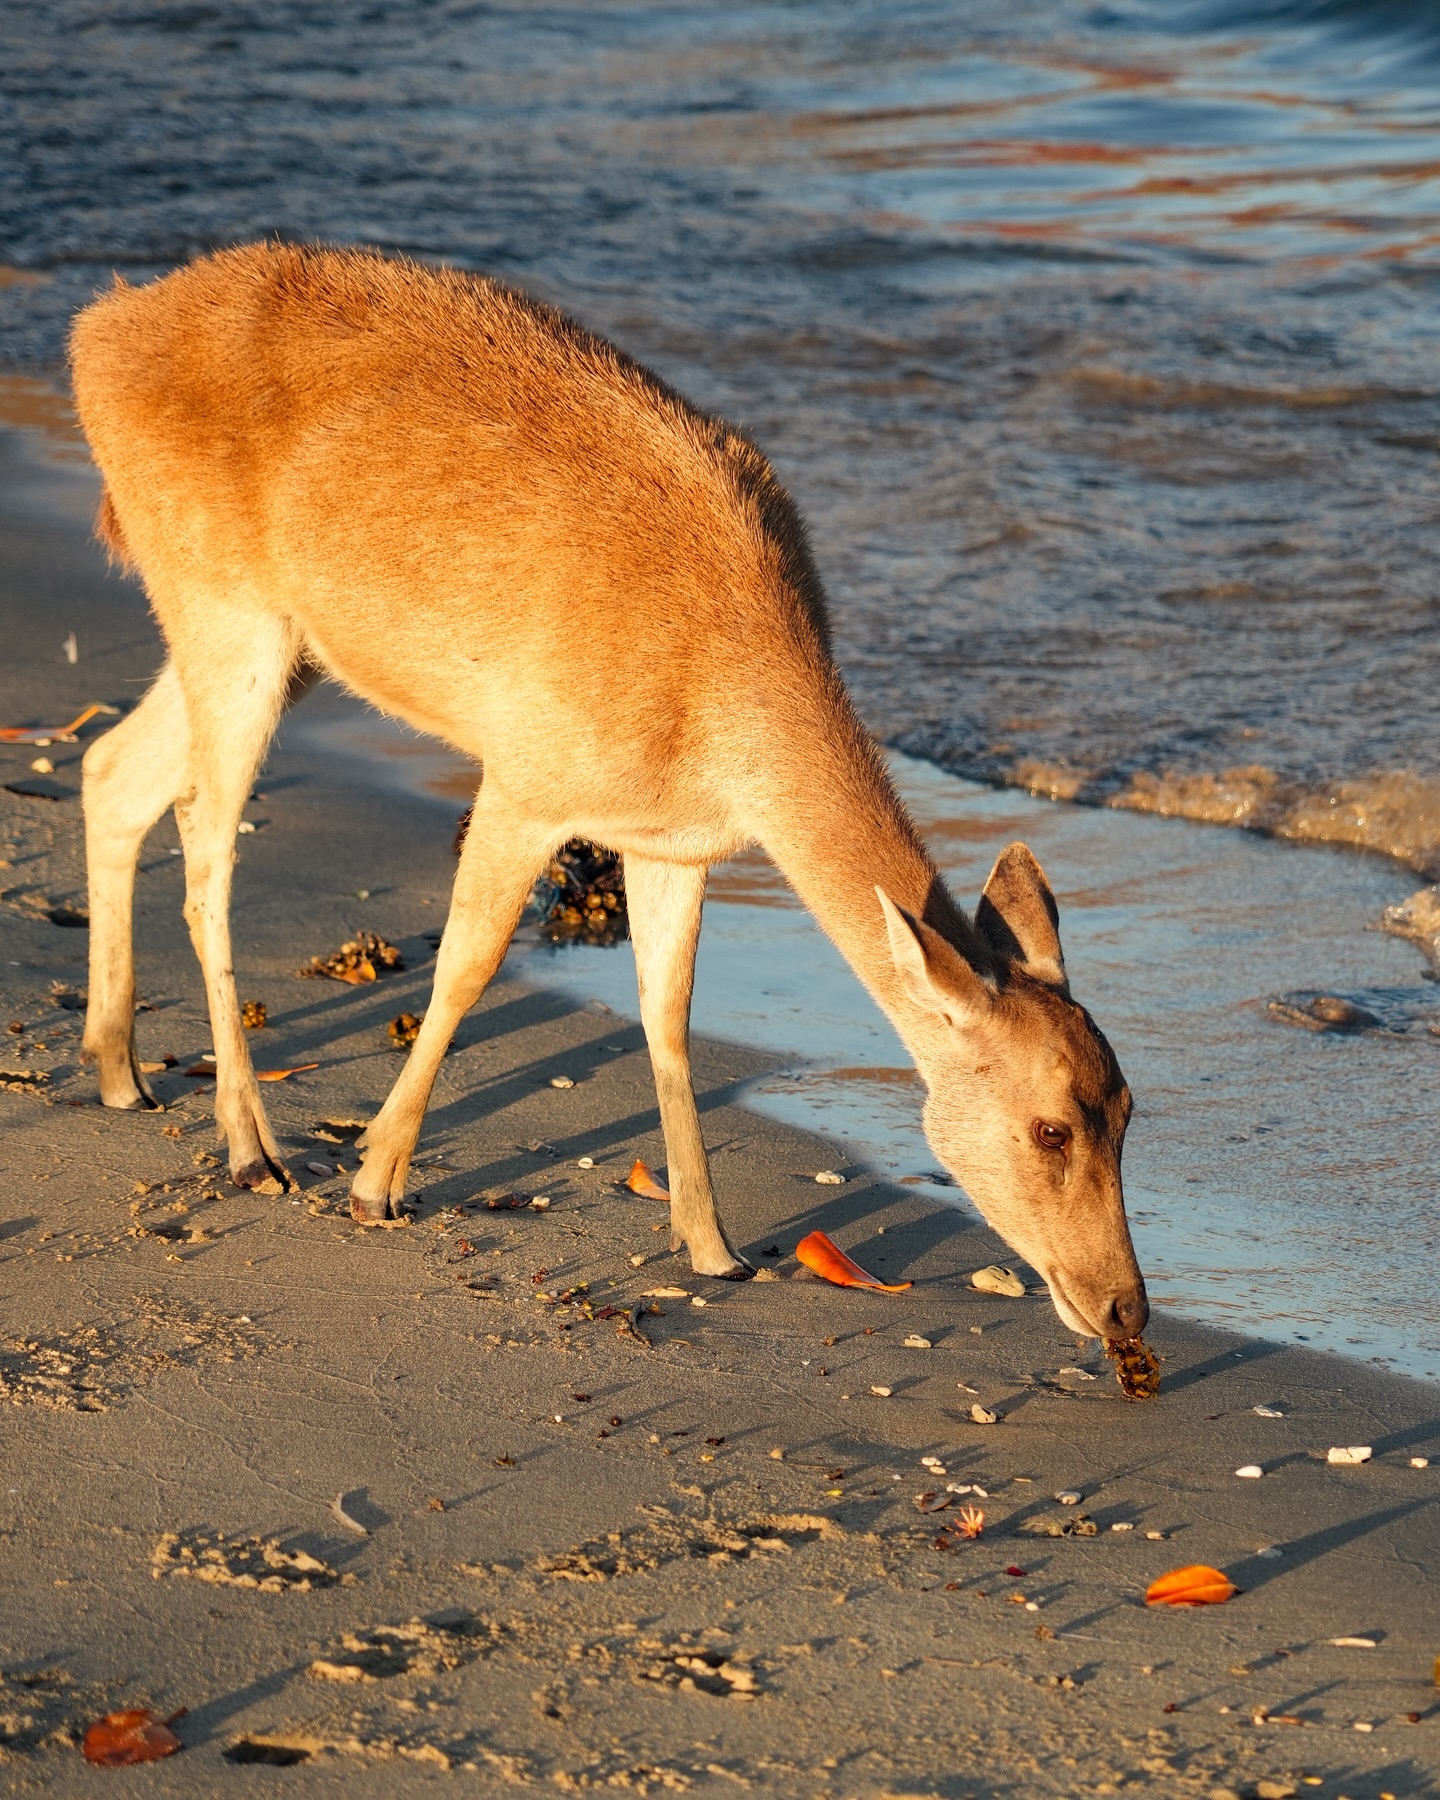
(481, 518)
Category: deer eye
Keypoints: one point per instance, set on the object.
(1051, 1137)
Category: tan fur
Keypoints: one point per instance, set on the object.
(484, 520)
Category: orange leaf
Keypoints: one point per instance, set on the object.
(1196, 1585)
(829, 1261)
(131, 1737)
(641, 1181)
(59, 734)
(284, 1074)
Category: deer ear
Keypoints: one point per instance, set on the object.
(1018, 918)
(933, 973)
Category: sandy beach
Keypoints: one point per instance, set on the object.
(392, 1509)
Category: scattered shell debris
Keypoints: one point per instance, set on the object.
(359, 961)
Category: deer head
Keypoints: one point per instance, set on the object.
(1027, 1106)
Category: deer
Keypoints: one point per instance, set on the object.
(478, 516)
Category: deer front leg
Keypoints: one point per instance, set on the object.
(664, 900)
(501, 857)
(132, 775)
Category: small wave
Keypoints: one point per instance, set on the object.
(1389, 25)
(1396, 813)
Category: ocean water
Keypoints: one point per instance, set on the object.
(1098, 342)
(1098, 345)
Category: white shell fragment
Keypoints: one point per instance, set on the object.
(994, 1280)
(916, 1342)
(667, 1293)
(561, 1081)
(1348, 1453)
(882, 1393)
(1068, 1497)
(1419, 1462)
(698, 1300)
(1250, 1472)
(829, 1178)
(1267, 1412)
(585, 1162)
(1122, 1525)
(982, 1415)
(1354, 1643)
(1079, 1374)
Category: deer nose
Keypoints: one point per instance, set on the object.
(1130, 1313)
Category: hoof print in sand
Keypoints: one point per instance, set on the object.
(244, 1562)
(665, 1538)
(415, 1648)
(689, 1669)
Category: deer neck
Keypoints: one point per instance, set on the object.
(837, 830)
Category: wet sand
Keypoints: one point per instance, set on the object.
(544, 1596)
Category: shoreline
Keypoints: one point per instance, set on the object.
(186, 1359)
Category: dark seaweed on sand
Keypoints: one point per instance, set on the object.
(581, 896)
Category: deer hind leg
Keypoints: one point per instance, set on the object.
(235, 669)
(502, 854)
(132, 775)
(664, 900)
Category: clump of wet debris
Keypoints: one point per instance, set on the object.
(359, 961)
(581, 896)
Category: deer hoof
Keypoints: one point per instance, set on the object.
(368, 1212)
(262, 1176)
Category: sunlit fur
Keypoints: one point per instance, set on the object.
(497, 527)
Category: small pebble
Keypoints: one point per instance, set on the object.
(1122, 1527)
(1362, 1725)
(1419, 1462)
(1348, 1454)
(829, 1178)
(882, 1392)
(561, 1081)
(42, 765)
(1250, 1472)
(540, 1202)
(698, 1300)
(319, 1168)
(777, 1455)
(1157, 1537)
(982, 1415)
(916, 1342)
(245, 828)
(1267, 1412)
(636, 1261)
